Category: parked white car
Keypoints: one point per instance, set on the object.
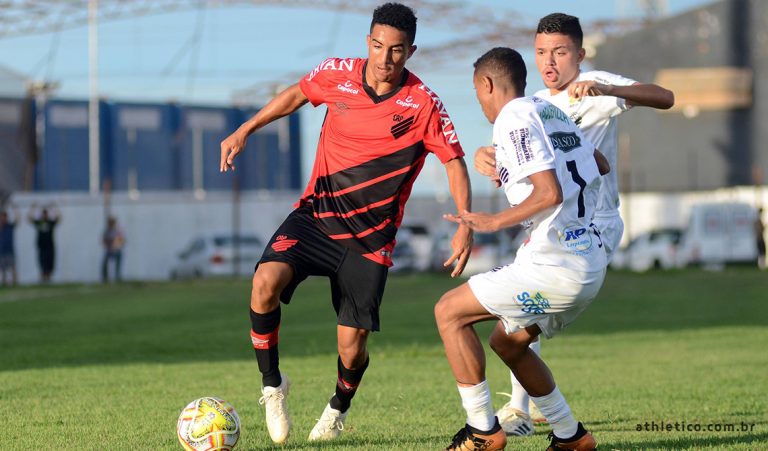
(653, 249)
(218, 255)
(719, 233)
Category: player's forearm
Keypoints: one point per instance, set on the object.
(285, 103)
(543, 196)
(649, 95)
(458, 183)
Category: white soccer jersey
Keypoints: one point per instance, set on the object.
(596, 117)
(531, 135)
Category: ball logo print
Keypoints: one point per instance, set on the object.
(208, 424)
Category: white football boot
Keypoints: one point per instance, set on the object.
(536, 415)
(278, 420)
(329, 426)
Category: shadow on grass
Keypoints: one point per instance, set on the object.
(691, 443)
(44, 327)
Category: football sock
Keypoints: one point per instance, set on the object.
(476, 400)
(264, 335)
(346, 385)
(556, 410)
(520, 397)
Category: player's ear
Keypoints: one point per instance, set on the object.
(487, 84)
(411, 50)
(582, 53)
(368, 40)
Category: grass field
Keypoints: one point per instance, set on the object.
(106, 368)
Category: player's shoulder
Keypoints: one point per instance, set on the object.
(524, 108)
(604, 77)
(335, 66)
(421, 93)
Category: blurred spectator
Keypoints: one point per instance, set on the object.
(7, 254)
(45, 223)
(113, 240)
(760, 236)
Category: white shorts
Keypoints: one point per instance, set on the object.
(523, 294)
(611, 229)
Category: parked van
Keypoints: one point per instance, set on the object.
(719, 233)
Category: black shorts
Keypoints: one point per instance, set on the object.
(357, 283)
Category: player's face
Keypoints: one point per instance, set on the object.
(483, 97)
(388, 50)
(558, 59)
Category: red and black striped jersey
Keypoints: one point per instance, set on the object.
(370, 151)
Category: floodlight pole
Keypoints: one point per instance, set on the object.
(93, 99)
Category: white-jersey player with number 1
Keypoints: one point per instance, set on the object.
(550, 174)
(593, 100)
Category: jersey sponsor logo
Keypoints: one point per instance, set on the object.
(521, 140)
(347, 87)
(536, 304)
(341, 108)
(331, 64)
(408, 103)
(445, 121)
(402, 127)
(503, 174)
(282, 243)
(397, 117)
(576, 240)
(552, 112)
(565, 141)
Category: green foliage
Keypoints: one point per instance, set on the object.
(91, 367)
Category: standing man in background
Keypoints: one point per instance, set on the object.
(113, 240)
(381, 124)
(593, 100)
(45, 224)
(7, 248)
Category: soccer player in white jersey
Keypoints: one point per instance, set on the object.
(549, 173)
(593, 100)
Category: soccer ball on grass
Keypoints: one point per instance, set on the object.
(208, 424)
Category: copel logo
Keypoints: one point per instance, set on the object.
(347, 87)
(408, 103)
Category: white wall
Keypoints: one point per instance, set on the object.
(159, 225)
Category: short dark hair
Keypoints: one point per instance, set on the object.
(564, 24)
(398, 16)
(504, 63)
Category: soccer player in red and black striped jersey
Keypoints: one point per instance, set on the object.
(381, 124)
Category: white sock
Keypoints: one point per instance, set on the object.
(476, 400)
(520, 397)
(556, 410)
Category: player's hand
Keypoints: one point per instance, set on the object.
(485, 163)
(461, 244)
(579, 89)
(230, 147)
(479, 222)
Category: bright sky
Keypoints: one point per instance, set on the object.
(205, 55)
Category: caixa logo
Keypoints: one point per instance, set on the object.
(408, 103)
(565, 141)
(576, 240)
(347, 87)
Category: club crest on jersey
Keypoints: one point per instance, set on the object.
(408, 103)
(576, 239)
(565, 142)
(347, 87)
(282, 243)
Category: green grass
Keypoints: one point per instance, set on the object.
(102, 368)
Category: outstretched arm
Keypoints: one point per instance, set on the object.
(639, 94)
(285, 103)
(603, 166)
(546, 193)
(461, 191)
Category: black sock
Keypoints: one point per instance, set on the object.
(264, 335)
(346, 385)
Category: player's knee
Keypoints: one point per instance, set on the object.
(353, 353)
(443, 312)
(264, 294)
(508, 346)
